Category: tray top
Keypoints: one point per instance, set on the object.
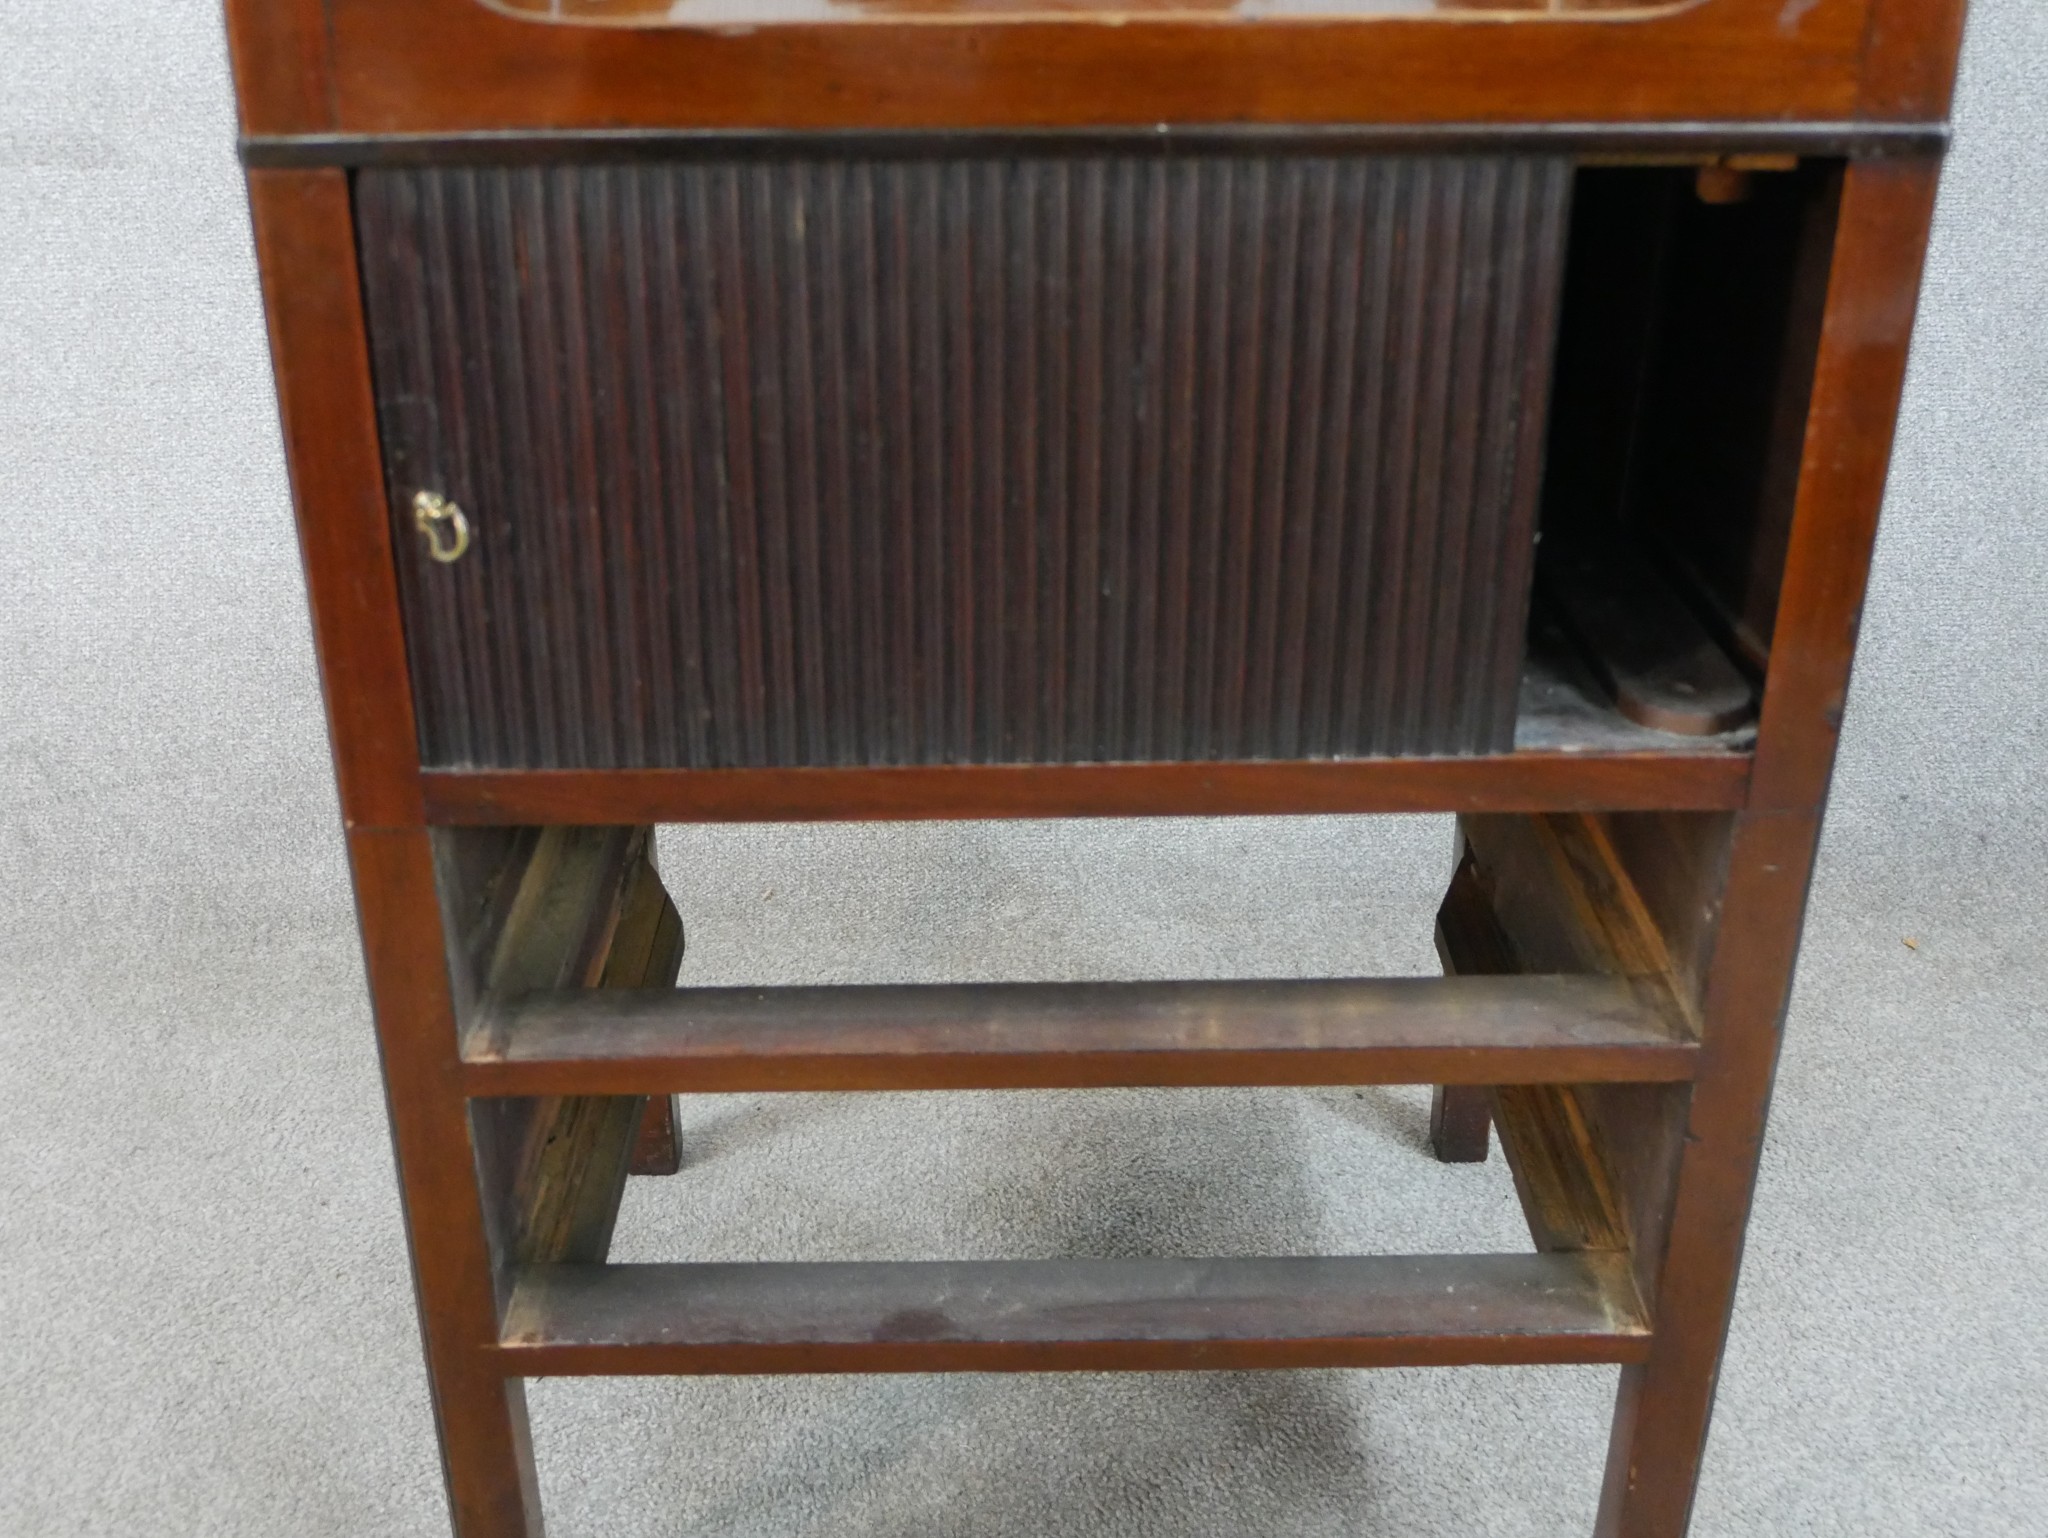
(721, 14)
(443, 69)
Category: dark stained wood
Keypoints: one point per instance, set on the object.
(578, 1166)
(657, 1145)
(1460, 1123)
(587, 911)
(569, 1187)
(1664, 1405)
(305, 250)
(1468, 942)
(1676, 864)
(543, 910)
(1559, 899)
(1655, 142)
(554, 908)
(1469, 939)
(1073, 1035)
(478, 873)
(1663, 669)
(567, 909)
(1560, 1172)
(1574, 752)
(820, 462)
(1723, 59)
(486, 1448)
(648, 953)
(1637, 1138)
(647, 946)
(1726, 371)
(1710, 780)
(1074, 1315)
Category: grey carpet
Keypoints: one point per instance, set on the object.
(208, 1324)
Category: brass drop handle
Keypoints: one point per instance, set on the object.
(444, 525)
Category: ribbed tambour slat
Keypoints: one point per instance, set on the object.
(1069, 458)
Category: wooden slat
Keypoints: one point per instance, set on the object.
(656, 1148)
(478, 873)
(1075, 1035)
(575, 1175)
(1073, 1315)
(1707, 780)
(1675, 862)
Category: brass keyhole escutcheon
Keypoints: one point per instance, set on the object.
(444, 525)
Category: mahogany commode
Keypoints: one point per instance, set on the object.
(787, 409)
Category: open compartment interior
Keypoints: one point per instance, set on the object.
(1689, 325)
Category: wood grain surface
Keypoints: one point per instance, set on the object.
(799, 462)
(1073, 1315)
(437, 65)
(1486, 1030)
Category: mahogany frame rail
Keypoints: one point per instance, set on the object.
(443, 67)
(1620, 936)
